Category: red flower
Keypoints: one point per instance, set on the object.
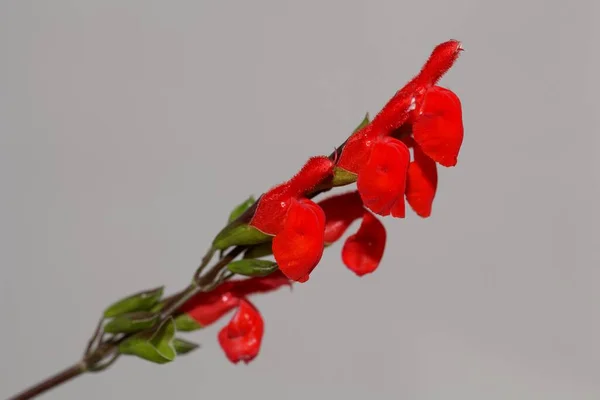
(433, 115)
(241, 338)
(296, 222)
(207, 307)
(362, 251)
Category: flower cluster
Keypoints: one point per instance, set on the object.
(393, 160)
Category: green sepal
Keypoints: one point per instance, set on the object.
(156, 346)
(239, 234)
(252, 267)
(131, 322)
(259, 250)
(241, 208)
(343, 177)
(185, 323)
(362, 124)
(142, 301)
(183, 346)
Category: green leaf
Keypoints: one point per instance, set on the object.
(131, 322)
(239, 234)
(241, 208)
(156, 346)
(260, 250)
(185, 323)
(362, 124)
(252, 267)
(142, 301)
(183, 346)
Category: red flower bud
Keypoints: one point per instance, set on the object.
(421, 183)
(298, 247)
(241, 338)
(207, 307)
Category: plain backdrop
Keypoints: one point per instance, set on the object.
(128, 130)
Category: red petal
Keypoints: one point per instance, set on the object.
(208, 307)
(212, 307)
(363, 251)
(263, 284)
(340, 212)
(399, 209)
(421, 184)
(241, 338)
(439, 128)
(299, 246)
(381, 182)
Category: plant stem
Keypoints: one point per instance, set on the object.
(110, 348)
(61, 377)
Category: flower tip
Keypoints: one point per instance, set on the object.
(443, 56)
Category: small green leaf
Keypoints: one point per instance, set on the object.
(241, 208)
(260, 250)
(183, 346)
(362, 124)
(142, 301)
(239, 234)
(252, 267)
(131, 322)
(157, 307)
(155, 346)
(343, 177)
(185, 323)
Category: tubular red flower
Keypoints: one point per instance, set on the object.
(208, 307)
(298, 247)
(421, 183)
(242, 337)
(363, 251)
(438, 129)
(382, 181)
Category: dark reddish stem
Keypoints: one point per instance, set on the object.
(61, 377)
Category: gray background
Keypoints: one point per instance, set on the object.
(128, 129)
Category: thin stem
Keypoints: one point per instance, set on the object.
(95, 338)
(61, 377)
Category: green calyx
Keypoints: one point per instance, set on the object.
(239, 234)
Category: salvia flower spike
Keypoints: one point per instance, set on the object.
(393, 158)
